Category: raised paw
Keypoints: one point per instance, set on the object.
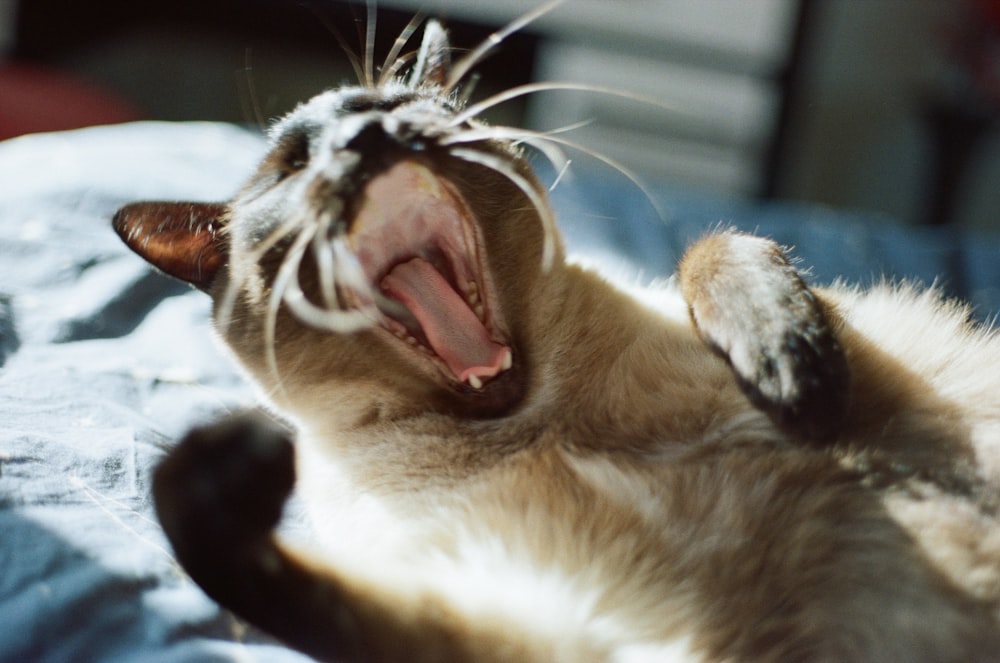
(224, 485)
(750, 305)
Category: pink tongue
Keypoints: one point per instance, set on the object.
(453, 330)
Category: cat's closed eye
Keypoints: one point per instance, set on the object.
(293, 155)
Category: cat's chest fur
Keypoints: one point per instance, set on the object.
(502, 517)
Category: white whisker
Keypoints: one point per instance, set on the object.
(350, 274)
(396, 66)
(533, 139)
(352, 57)
(392, 61)
(618, 166)
(255, 106)
(463, 96)
(515, 134)
(345, 271)
(532, 88)
(567, 128)
(504, 168)
(334, 320)
(559, 175)
(491, 42)
(336, 265)
(324, 260)
(224, 311)
(290, 265)
(372, 10)
(539, 141)
(228, 302)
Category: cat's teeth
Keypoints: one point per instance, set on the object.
(479, 311)
(475, 382)
(508, 361)
(472, 293)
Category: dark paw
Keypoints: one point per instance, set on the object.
(750, 305)
(797, 374)
(224, 485)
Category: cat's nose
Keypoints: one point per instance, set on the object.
(370, 139)
(382, 133)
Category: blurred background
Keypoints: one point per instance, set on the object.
(888, 106)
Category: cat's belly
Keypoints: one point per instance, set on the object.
(439, 547)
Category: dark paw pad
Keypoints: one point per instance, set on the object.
(226, 482)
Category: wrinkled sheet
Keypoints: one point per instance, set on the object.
(104, 363)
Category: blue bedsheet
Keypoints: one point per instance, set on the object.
(104, 363)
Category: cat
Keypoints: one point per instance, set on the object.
(508, 458)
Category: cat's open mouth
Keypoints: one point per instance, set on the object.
(419, 246)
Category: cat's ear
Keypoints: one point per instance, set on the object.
(181, 239)
(434, 59)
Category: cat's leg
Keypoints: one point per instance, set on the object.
(219, 495)
(750, 305)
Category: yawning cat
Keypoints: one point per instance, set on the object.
(506, 458)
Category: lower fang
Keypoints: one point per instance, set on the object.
(475, 382)
(508, 361)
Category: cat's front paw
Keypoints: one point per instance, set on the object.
(224, 485)
(749, 304)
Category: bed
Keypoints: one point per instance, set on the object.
(104, 363)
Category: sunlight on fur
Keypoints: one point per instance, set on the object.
(509, 456)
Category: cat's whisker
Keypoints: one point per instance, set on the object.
(393, 62)
(224, 311)
(333, 320)
(336, 265)
(553, 86)
(462, 97)
(538, 141)
(289, 267)
(555, 156)
(567, 128)
(348, 270)
(500, 132)
(478, 54)
(560, 175)
(228, 302)
(370, 24)
(539, 138)
(505, 169)
(348, 51)
(324, 260)
(255, 107)
(618, 166)
(396, 66)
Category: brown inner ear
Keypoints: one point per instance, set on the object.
(180, 239)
